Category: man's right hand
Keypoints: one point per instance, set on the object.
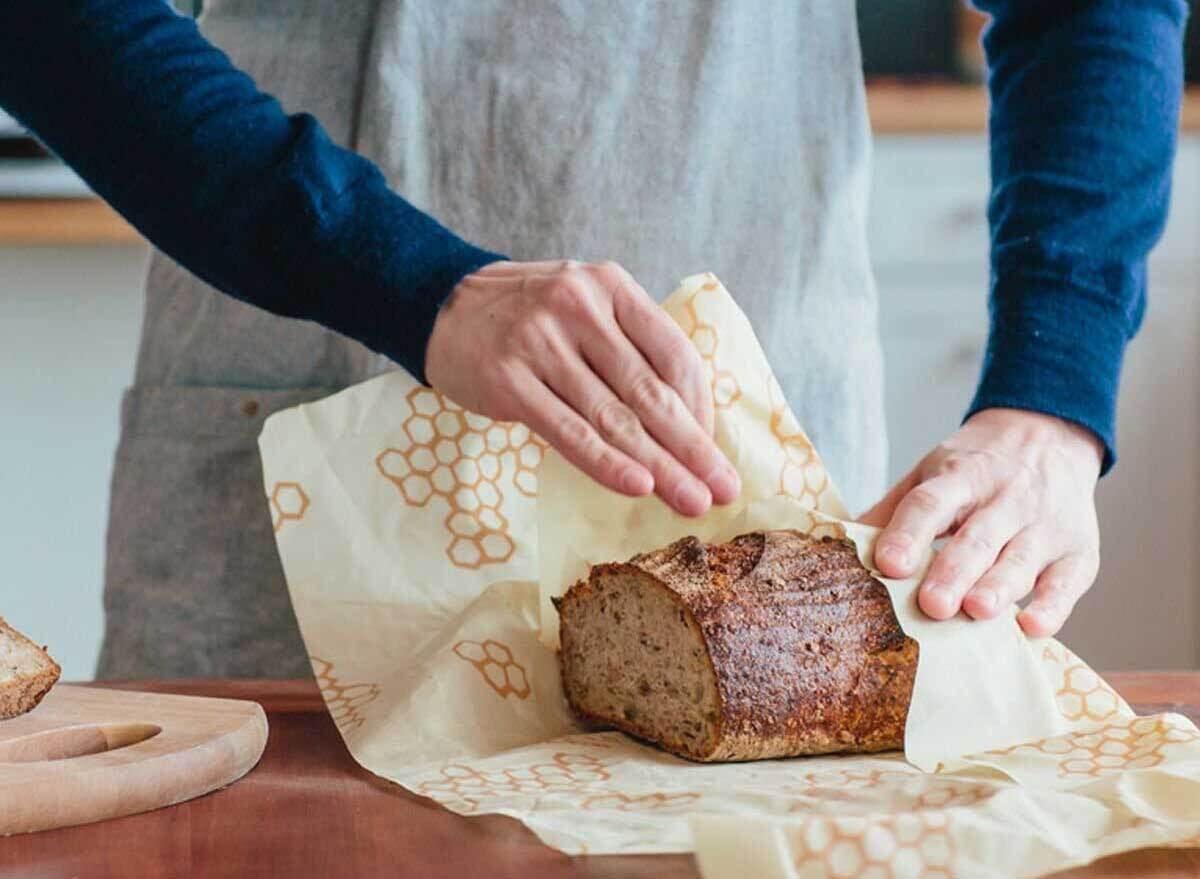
(583, 356)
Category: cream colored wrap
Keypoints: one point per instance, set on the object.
(421, 559)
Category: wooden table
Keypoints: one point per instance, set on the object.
(309, 810)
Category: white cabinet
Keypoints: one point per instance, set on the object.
(929, 243)
(69, 319)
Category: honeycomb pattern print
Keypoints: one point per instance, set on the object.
(913, 845)
(802, 476)
(467, 788)
(1084, 695)
(599, 741)
(817, 528)
(852, 777)
(458, 456)
(495, 662)
(903, 790)
(345, 701)
(1081, 694)
(1136, 744)
(725, 388)
(656, 802)
(288, 503)
(953, 795)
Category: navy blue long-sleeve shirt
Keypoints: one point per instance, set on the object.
(1084, 112)
(263, 206)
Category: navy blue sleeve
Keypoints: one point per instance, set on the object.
(1084, 112)
(258, 203)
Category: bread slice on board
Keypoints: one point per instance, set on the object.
(774, 644)
(26, 672)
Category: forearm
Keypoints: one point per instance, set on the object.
(1085, 101)
(260, 204)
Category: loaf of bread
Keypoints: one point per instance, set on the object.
(774, 644)
(26, 672)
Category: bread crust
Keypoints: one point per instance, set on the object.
(805, 650)
(23, 693)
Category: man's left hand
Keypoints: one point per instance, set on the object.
(1015, 491)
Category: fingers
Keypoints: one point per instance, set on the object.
(924, 512)
(880, 514)
(1055, 594)
(620, 427)
(660, 409)
(665, 346)
(972, 551)
(1009, 580)
(577, 441)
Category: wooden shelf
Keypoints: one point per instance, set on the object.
(898, 107)
(895, 107)
(926, 108)
(62, 221)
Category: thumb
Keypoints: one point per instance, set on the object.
(880, 514)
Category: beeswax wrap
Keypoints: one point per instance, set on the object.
(422, 544)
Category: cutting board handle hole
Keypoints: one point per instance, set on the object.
(75, 741)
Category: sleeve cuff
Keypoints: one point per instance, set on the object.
(1057, 350)
(446, 261)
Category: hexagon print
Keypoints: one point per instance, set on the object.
(496, 663)
(458, 457)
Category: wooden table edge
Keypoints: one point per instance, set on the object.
(300, 695)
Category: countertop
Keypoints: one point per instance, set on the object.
(308, 809)
(896, 107)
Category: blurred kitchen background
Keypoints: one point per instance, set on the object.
(70, 308)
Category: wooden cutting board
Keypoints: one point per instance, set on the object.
(89, 754)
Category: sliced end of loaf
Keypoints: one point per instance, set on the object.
(26, 672)
(634, 657)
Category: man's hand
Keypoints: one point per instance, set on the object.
(1015, 489)
(590, 362)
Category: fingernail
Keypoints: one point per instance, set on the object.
(986, 600)
(692, 499)
(637, 483)
(893, 555)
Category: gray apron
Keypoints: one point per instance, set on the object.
(673, 137)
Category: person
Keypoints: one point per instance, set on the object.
(560, 135)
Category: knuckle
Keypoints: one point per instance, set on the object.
(697, 455)
(977, 541)
(648, 393)
(970, 468)
(577, 434)
(946, 569)
(607, 463)
(1056, 587)
(571, 297)
(609, 270)
(682, 364)
(615, 420)
(1020, 557)
(923, 499)
(1007, 583)
(952, 461)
